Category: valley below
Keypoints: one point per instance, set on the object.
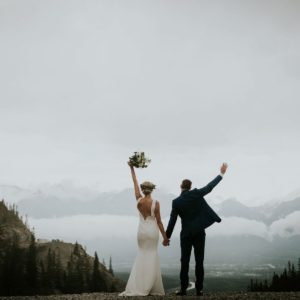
(249, 243)
(218, 278)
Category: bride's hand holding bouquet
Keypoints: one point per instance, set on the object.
(139, 160)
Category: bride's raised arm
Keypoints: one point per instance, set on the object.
(135, 183)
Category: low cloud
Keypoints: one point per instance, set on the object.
(87, 226)
(73, 228)
(238, 226)
(287, 226)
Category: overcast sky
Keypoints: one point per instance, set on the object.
(192, 83)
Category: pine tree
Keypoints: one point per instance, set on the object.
(284, 280)
(58, 271)
(65, 281)
(69, 277)
(251, 287)
(110, 270)
(288, 280)
(275, 283)
(31, 267)
(104, 263)
(265, 286)
(98, 284)
(79, 274)
(85, 269)
(76, 275)
(42, 279)
(76, 249)
(13, 269)
(298, 272)
(50, 271)
(289, 270)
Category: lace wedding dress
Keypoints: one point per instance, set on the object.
(145, 277)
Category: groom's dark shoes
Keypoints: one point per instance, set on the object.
(181, 293)
(199, 293)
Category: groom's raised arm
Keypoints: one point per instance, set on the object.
(209, 187)
(172, 221)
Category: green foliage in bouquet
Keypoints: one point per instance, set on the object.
(139, 160)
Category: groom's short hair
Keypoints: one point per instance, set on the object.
(186, 184)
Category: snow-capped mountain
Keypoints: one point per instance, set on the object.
(109, 220)
(68, 201)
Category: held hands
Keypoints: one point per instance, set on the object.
(223, 168)
(166, 242)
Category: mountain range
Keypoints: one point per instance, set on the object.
(267, 213)
(106, 222)
(67, 200)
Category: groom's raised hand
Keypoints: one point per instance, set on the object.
(223, 168)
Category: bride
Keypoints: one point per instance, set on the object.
(145, 277)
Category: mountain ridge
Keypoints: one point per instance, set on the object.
(60, 200)
(266, 213)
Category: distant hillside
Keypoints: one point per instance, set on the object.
(12, 226)
(51, 266)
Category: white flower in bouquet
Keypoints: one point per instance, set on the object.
(139, 160)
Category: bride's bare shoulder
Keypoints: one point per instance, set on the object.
(139, 201)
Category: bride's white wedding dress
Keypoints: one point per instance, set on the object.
(145, 277)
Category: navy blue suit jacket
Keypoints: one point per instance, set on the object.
(195, 213)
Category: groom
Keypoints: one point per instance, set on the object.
(196, 215)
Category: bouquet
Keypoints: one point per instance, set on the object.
(139, 160)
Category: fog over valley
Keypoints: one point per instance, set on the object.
(107, 222)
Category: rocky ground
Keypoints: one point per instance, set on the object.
(208, 296)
